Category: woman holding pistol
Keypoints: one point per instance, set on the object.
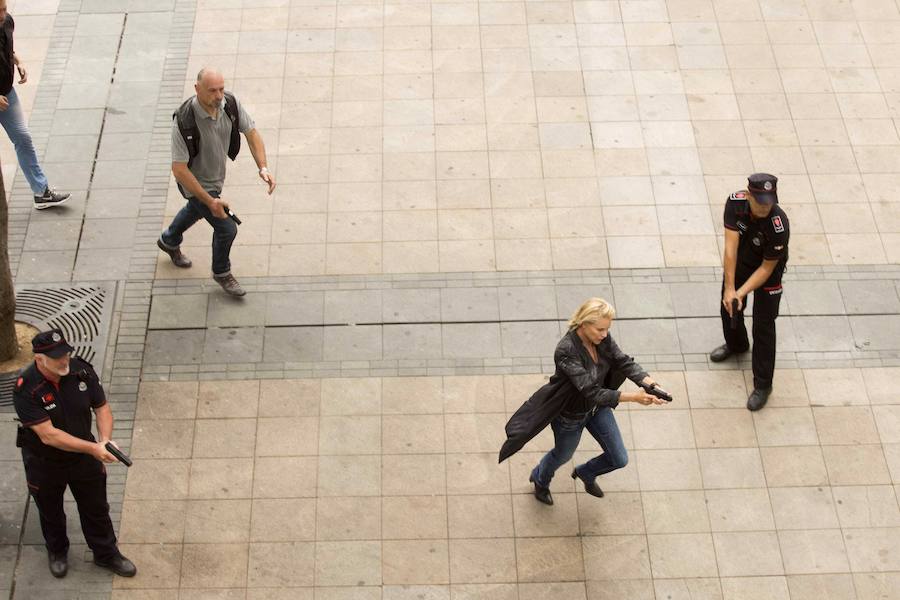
(585, 358)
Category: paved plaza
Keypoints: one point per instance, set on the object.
(454, 179)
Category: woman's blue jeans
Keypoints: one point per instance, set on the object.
(567, 433)
(13, 121)
(224, 232)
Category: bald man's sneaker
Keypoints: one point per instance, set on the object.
(178, 258)
(230, 285)
(758, 398)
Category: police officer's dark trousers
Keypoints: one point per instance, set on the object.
(766, 300)
(86, 477)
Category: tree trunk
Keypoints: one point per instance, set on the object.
(8, 344)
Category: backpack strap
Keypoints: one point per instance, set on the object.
(231, 109)
(187, 126)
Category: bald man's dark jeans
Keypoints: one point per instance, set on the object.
(224, 232)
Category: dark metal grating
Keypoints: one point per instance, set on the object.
(81, 312)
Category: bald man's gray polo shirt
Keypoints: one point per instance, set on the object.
(215, 136)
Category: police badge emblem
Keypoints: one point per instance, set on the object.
(82, 386)
(767, 186)
(56, 337)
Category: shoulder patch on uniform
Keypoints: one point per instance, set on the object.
(777, 247)
(741, 195)
(777, 224)
(19, 382)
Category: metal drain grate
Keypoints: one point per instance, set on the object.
(81, 312)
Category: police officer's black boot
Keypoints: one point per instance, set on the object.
(721, 353)
(541, 493)
(118, 564)
(59, 563)
(758, 398)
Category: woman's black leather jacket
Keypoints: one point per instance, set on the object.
(587, 378)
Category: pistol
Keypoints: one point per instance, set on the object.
(734, 313)
(656, 391)
(120, 456)
(232, 216)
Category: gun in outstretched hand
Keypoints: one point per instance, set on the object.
(657, 391)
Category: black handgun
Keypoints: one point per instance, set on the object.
(232, 216)
(734, 313)
(121, 456)
(656, 391)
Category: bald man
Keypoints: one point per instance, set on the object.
(205, 130)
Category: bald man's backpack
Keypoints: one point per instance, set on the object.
(187, 126)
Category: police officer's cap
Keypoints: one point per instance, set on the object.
(51, 343)
(764, 188)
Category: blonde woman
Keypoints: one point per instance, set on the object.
(581, 396)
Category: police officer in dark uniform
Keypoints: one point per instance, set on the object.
(54, 397)
(756, 251)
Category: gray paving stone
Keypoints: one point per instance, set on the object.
(411, 305)
(178, 312)
(650, 336)
(353, 306)
(84, 95)
(225, 311)
(98, 24)
(469, 304)
(643, 300)
(70, 148)
(108, 233)
(122, 118)
(293, 344)
(134, 93)
(570, 297)
(417, 340)
(813, 298)
(118, 174)
(84, 121)
(520, 303)
(695, 299)
(123, 146)
(52, 235)
(471, 340)
(174, 347)
(875, 332)
(69, 176)
(360, 342)
(101, 264)
(113, 204)
(822, 334)
(295, 308)
(90, 70)
(529, 339)
(870, 297)
(233, 345)
(699, 335)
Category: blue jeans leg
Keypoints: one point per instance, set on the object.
(224, 232)
(605, 430)
(566, 435)
(13, 121)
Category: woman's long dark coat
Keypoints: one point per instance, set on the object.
(571, 381)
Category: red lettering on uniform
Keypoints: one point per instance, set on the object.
(776, 222)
